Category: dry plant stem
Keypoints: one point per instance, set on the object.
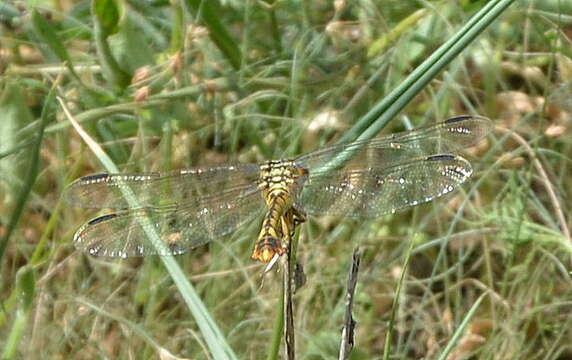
(347, 341)
(547, 184)
(51, 69)
(289, 336)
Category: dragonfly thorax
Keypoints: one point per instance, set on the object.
(279, 176)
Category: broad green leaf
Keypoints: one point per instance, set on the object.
(207, 13)
(130, 46)
(26, 285)
(107, 13)
(106, 16)
(14, 116)
(46, 32)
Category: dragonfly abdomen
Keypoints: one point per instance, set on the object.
(269, 244)
(279, 181)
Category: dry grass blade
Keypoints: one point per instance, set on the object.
(348, 331)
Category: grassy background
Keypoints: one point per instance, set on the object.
(163, 85)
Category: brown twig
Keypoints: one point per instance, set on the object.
(347, 340)
(289, 336)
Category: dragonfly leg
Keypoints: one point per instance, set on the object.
(298, 217)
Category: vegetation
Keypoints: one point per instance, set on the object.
(161, 85)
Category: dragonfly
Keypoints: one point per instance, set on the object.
(189, 208)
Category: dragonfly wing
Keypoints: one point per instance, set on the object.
(374, 191)
(126, 233)
(445, 137)
(181, 187)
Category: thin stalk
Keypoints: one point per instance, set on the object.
(377, 118)
(214, 338)
(395, 305)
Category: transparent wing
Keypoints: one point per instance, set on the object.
(374, 191)
(441, 138)
(125, 234)
(182, 187)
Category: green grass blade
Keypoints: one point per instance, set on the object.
(377, 118)
(106, 15)
(46, 32)
(395, 305)
(459, 331)
(277, 330)
(26, 287)
(214, 338)
(30, 177)
(136, 328)
(206, 13)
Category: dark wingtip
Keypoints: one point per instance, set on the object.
(102, 218)
(441, 157)
(458, 118)
(483, 120)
